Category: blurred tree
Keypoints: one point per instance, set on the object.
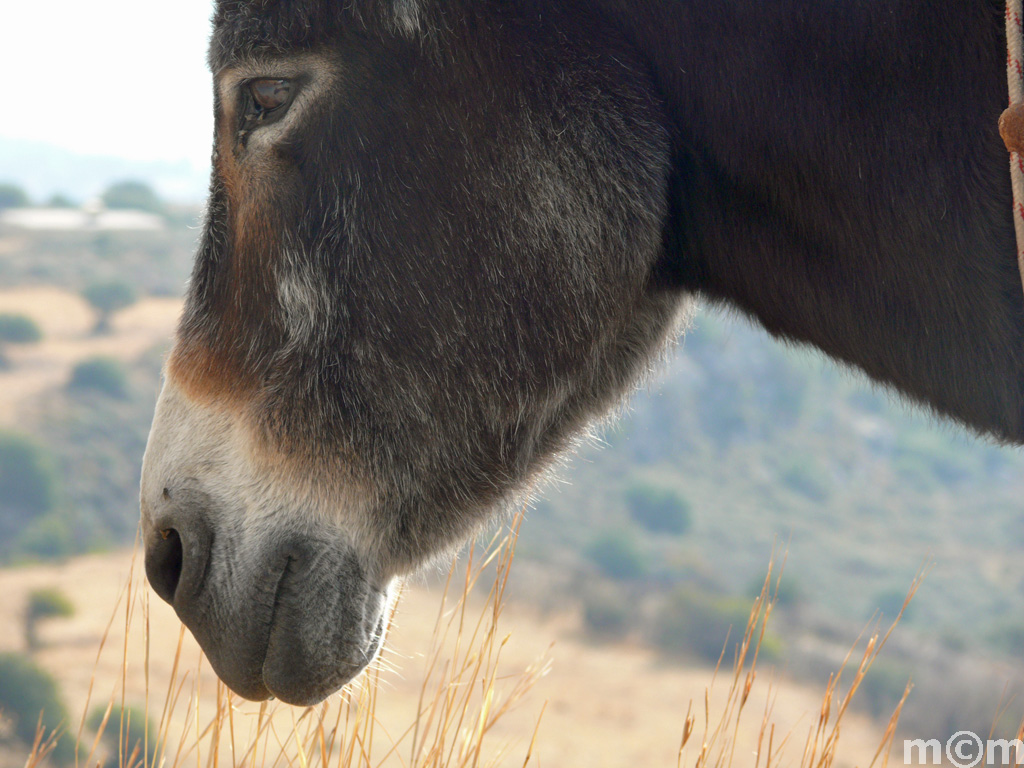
(890, 602)
(44, 603)
(787, 592)
(1006, 636)
(12, 196)
(883, 686)
(658, 509)
(131, 722)
(608, 611)
(803, 475)
(60, 200)
(28, 485)
(100, 374)
(617, 555)
(107, 298)
(694, 621)
(134, 195)
(26, 692)
(16, 329)
(50, 537)
(782, 391)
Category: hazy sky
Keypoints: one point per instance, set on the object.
(110, 77)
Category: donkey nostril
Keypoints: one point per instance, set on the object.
(163, 563)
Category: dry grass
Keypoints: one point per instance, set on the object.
(462, 697)
(716, 745)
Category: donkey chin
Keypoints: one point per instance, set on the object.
(283, 603)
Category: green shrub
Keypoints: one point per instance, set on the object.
(802, 477)
(44, 604)
(12, 196)
(127, 728)
(883, 686)
(25, 692)
(27, 477)
(698, 623)
(617, 555)
(606, 613)
(107, 298)
(60, 200)
(1007, 636)
(47, 602)
(890, 601)
(659, 510)
(100, 374)
(28, 485)
(46, 538)
(787, 592)
(132, 195)
(18, 329)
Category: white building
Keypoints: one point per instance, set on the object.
(92, 217)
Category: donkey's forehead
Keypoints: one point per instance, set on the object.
(243, 28)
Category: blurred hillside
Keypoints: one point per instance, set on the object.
(764, 443)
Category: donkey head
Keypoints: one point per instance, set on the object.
(429, 260)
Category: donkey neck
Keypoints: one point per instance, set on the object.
(838, 176)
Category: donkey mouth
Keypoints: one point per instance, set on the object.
(327, 624)
(305, 682)
(297, 634)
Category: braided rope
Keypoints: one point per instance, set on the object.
(1015, 80)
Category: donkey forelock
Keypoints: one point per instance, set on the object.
(244, 27)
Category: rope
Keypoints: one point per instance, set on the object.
(1015, 80)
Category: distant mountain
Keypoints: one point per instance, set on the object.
(44, 170)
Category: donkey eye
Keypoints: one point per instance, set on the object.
(263, 101)
(270, 94)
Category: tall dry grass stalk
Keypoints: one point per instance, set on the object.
(715, 744)
(461, 699)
